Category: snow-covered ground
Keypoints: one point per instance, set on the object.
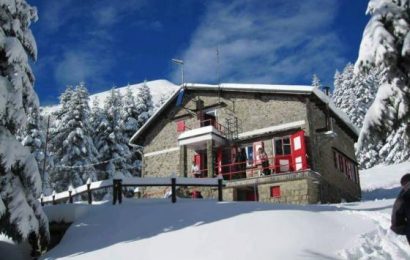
(159, 89)
(206, 229)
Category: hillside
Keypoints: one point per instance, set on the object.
(159, 88)
(206, 229)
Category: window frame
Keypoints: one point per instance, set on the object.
(282, 144)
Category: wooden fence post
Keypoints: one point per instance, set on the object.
(70, 198)
(114, 191)
(119, 190)
(220, 186)
(90, 197)
(54, 198)
(173, 188)
(70, 192)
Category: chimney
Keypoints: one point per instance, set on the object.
(326, 90)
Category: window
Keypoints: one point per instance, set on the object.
(341, 164)
(249, 155)
(275, 192)
(335, 159)
(211, 113)
(209, 118)
(345, 165)
(282, 146)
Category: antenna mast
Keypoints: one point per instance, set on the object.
(218, 74)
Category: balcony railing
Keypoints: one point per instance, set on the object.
(215, 124)
(240, 170)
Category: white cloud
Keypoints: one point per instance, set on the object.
(264, 41)
(81, 65)
(102, 13)
(87, 52)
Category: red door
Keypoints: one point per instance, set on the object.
(198, 162)
(297, 143)
(219, 160)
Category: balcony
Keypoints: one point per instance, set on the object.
(208, 130)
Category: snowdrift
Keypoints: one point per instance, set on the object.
(206, 229)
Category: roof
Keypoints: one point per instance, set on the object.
(258, 88)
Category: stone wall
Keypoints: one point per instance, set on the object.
(335, 185)
(163, 135)
(300, 188)
(256, 111)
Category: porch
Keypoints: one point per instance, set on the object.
(206, 151)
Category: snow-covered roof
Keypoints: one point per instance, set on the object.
(258, 88)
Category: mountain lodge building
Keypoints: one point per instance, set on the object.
(271, 143)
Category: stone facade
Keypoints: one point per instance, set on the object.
(335, 186)
(163, 155)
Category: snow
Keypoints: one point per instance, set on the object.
(158, 89)
(11, 250)
(206, 229)
(252, 87)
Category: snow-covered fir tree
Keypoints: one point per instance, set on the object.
(112, 143)
(129, 114)
(71, 141)
(386, 44)
(316, 81)
(33, 136)
(354, 93)
(162, 99)
(144, 104)
(21, 217)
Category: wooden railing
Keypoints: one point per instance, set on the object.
(118, 184)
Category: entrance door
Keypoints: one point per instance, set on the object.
(201, 160)
(248, 193)
(298, 150)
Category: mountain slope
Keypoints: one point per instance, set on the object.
(158, 88)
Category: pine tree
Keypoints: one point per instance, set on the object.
(129, 114)
(343, 95)
(316, 81)
(354, 93)
(21, 217)
(144, 104)
(113, 143)
(386, 44)
(162, 99)
(33, 137)
(72, 144)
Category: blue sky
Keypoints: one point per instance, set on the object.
(109, 43)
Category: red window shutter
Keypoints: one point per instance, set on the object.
(275, 191)
(297, 143)
(180, 126)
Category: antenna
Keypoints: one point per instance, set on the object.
(218, 74)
